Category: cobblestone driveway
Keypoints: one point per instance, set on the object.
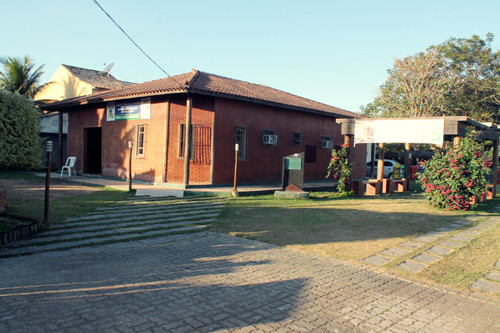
(222, 283)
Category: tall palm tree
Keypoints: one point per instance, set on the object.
(20, 76)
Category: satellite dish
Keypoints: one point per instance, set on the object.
(107, 69)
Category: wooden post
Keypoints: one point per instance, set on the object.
(407, 175)
(61, 157)
(166, 132)
(372, 158)
(380, 165)
(236, 149)
(130, 144)
(187, 139)
(47, 182)
(350, 157)
(456, 142)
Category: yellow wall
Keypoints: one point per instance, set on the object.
(63, 85)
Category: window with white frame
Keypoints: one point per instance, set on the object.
(141, 140)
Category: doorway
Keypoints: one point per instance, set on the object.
(93, 150)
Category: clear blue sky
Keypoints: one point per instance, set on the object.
(335, 52)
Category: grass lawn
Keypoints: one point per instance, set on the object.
(59, 208)
(353, 228)
(63, 208)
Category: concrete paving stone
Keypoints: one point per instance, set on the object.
(439, 250)
(427, 238)
(219, 283)
(460, 238)
(426, 258)
(497, 265)
(453, 225)
(445, 229)
(452, 244)
(411, 245)
(469, 232)
(410, 266)
(461, 222)
(487, 286)
(395, 252)
(480, 228)
(493, 275)
(377, 260)
(490, 221)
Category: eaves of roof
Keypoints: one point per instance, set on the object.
(197, 82)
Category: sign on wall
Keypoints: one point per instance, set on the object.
(137, 109)
(400, 131)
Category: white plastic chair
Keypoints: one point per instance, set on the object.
(70, 165)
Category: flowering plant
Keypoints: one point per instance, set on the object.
(451, 179)
(340, 168)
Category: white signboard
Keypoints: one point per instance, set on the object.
(399, 131)
(129, 110)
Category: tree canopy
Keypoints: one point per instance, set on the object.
(460, 77)
(20, 76)
(19, 139)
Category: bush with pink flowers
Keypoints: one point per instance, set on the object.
(453, 178)
(340, 168)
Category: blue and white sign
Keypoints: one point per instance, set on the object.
(137, 109)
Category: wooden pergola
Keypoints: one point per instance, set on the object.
(454, 129)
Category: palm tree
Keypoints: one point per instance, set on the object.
(20, 76)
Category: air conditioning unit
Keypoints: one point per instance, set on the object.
(328, 144)
(268, 139)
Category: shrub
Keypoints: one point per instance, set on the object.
(19, 137)
(451, 179)
(340, 168)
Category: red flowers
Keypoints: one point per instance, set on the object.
(452, 178)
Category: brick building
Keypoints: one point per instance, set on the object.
(201, 116)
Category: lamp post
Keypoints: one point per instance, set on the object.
(235, 188)
(47, 181)
(130, 144)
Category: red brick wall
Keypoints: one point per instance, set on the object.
(202, 119)
(264, 162)
(79, 119)
(115, 137)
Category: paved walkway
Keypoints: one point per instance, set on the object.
(218, 283)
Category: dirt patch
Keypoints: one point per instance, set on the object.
(22, 189)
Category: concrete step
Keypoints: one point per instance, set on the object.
(158, 223)
(57, 246)
(126, 217)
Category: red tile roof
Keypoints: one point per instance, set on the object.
(198, 82)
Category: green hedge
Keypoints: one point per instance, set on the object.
(19, 132)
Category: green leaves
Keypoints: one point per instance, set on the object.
(19, 137)
(451, 179)
(460, 77)
(20, 76)
(340, 168)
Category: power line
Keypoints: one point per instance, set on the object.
(130, 38)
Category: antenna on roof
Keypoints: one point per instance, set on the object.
(107, 69)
